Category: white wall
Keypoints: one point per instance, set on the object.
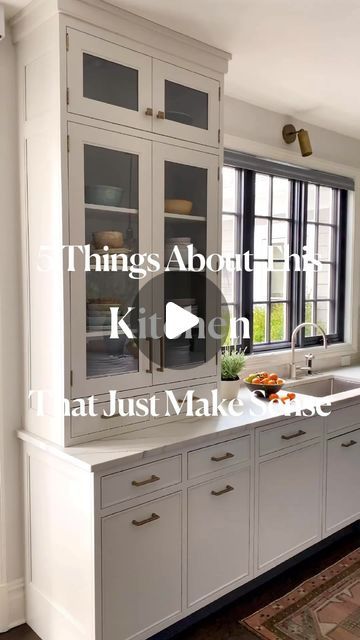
(11, 531)
(260, 125)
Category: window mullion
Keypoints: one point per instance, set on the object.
(248, 245)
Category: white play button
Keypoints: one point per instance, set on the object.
(178, 320)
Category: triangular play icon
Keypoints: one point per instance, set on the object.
(178, 320)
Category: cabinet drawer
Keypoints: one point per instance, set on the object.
(288, 435)
(138, 481)
(218, 534)
(165, 406)
(345, 417)
(343, 481)
(218, 456)
(81, 426)
(141, 568)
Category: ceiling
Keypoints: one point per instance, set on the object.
(297, 57)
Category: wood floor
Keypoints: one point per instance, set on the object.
(224, 625)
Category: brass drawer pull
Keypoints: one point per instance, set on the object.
(140, 483)
(294, 435)
(181, 401)
(161, 368)
(227, 489)
(150, 342)
(348, 444)
(160, 115)
(227, 456)
(149, 111)
(139, 523)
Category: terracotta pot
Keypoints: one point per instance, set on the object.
(229, 389)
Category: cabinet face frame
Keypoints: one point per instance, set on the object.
(80, 135)
(81, 43)
(161, 154)
(163, 71)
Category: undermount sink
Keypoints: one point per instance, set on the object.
(324, 387)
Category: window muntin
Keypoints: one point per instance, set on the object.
(260, 210)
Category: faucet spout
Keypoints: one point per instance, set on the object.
(293, 367)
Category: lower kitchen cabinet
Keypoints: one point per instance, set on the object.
(141, 567)
(343, 481)
(218, 534)
(288, 505)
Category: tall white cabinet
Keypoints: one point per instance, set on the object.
(118, 117)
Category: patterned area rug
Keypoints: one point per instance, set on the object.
(326, 607)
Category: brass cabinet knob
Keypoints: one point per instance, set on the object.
(149, 111)
(161, 115)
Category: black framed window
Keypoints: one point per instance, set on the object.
(293, 217)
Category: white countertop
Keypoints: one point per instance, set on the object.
(98, 455)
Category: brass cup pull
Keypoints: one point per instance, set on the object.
(139, 523)
(227, 456)
(141, 483)
(294, 435)
(227, 489)
(160, 115)
(348, 444)
(149, 111)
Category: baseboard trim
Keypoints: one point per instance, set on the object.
(12, 605)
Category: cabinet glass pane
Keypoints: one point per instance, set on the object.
(111, 221)
(110, 82)
(188, 185)
(185, 224)
(186, 105)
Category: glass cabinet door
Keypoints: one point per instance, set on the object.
(185, 213)
(108, 82)
(186, 104)
(110, 212)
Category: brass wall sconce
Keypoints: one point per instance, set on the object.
(289, 134)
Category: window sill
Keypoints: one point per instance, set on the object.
(279, 358)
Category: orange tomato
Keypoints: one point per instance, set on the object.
(264, 374)
(273, 396)
(291, 395)
(273, 376)
(255, 380)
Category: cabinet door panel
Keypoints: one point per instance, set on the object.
(110, 186)
(218, 534)
(343, 481)
(289, 505)
(108, 82)
(186, 104)
(141, 567)
(191, 177)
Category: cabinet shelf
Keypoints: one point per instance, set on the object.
(187, 218)
(98, 334)
(101, 207)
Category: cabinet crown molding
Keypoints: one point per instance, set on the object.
(108, 16)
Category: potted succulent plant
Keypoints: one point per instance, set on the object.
(232, 362)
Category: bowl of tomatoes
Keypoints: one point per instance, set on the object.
(268, 383)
